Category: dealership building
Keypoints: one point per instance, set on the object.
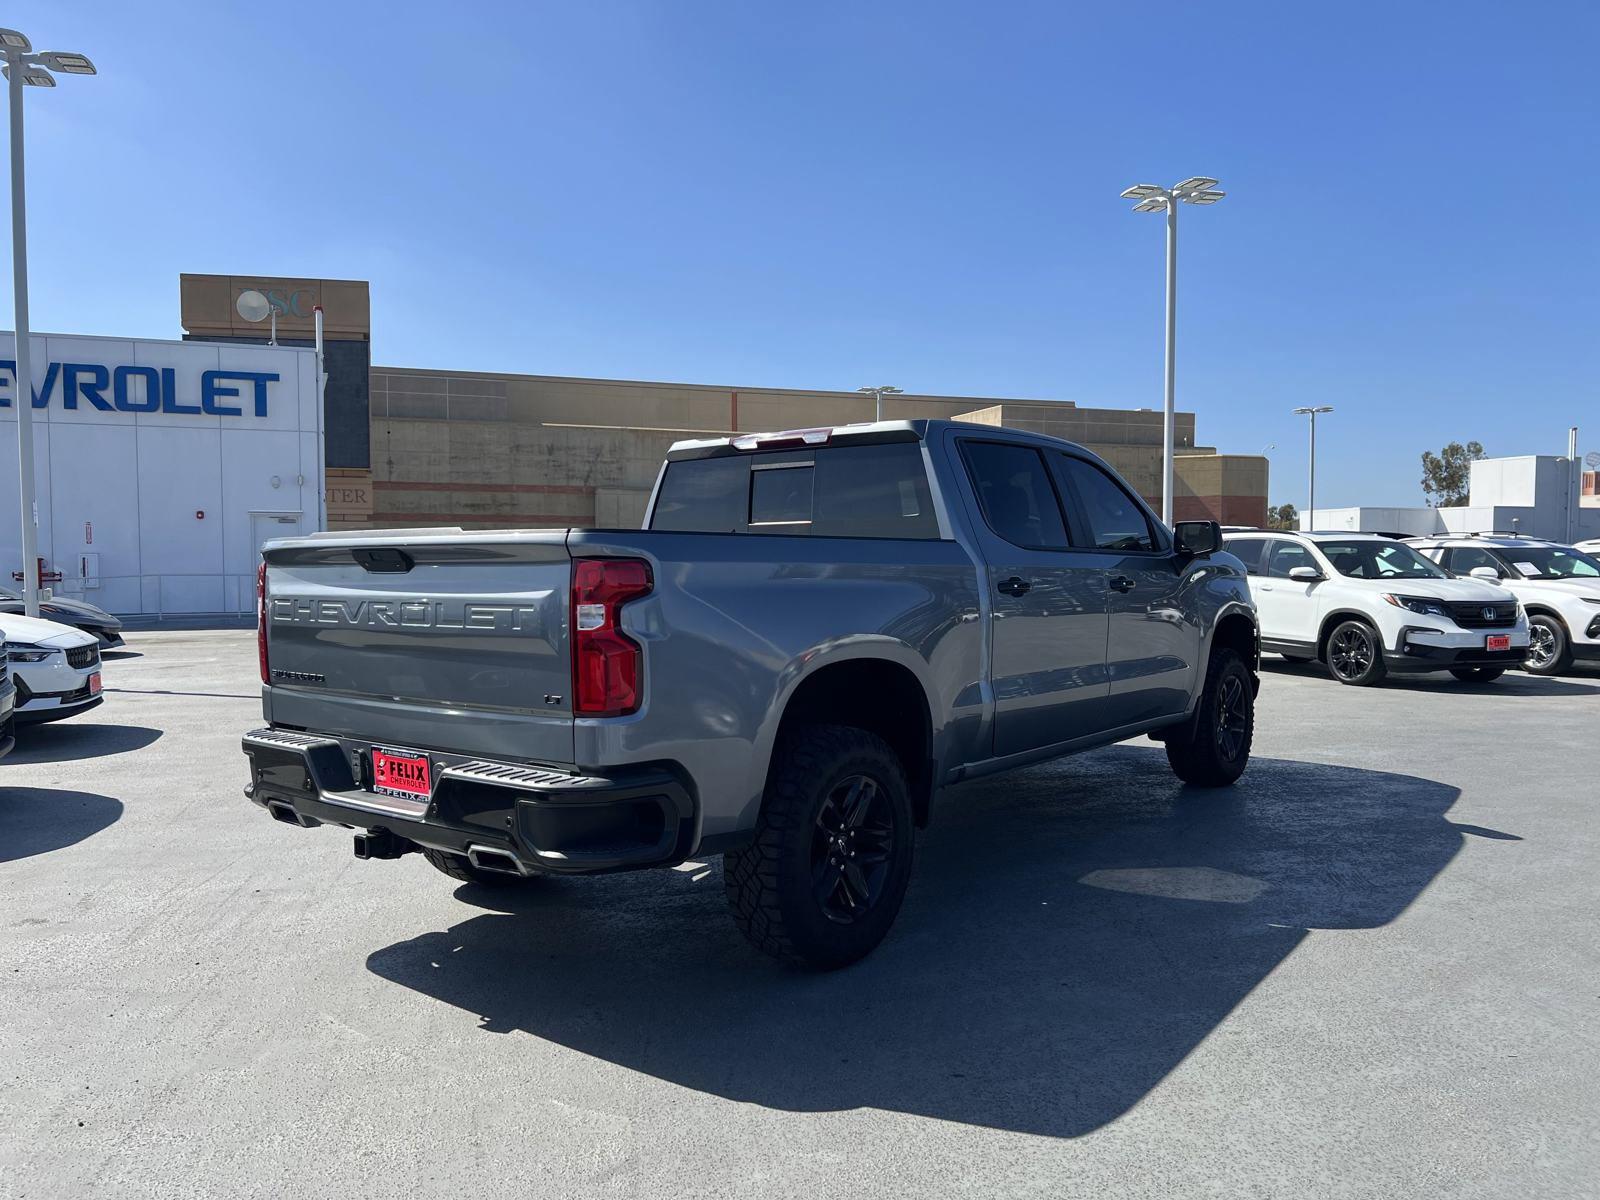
(163, 465)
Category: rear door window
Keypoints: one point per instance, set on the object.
(1246, 550)
(1016, 495)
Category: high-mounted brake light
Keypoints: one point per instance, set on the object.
(788, 437)
(605, 661)
(261, 618)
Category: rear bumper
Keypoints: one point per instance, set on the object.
(546, 820)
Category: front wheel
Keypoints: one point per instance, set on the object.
(1477, 674)
(1355, 655)
(1214, 748)
(823, 879)
(1549, 649)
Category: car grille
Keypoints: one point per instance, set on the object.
(1470, 615)
(80, 657)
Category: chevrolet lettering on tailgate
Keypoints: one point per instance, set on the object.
(418, 613)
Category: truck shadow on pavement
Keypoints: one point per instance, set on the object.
(1071, 934)
(60, 741)
(39, 820)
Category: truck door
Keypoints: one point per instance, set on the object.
(1048, 624)
(1153, 636)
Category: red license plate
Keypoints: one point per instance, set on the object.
(1498, 641)
(402, 773)
(94, 684)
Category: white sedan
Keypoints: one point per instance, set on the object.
(56, 669)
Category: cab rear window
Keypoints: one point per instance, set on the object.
(838, 491)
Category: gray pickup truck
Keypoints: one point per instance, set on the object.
(814, 632)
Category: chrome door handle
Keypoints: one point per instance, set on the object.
(1121, 583)
(1015, 586)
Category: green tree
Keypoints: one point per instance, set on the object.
(1446, 476)
(1282, 516)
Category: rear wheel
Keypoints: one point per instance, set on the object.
(822, 881)
(457, 866)
(1477, 674)
(1214, 749)
(1549, 648)
(1355, 655)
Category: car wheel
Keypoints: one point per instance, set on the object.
(1477, 674)
(1213, 749)
(822, 881)
(458, 866)
(1549, 648)
(1355, 655)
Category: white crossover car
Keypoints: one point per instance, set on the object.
(1366, 605)
(56, 669)
(1559, 587)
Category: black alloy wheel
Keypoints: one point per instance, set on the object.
(1355, 655)
(850, 844)
(1233, 717)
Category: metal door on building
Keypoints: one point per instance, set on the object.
(264, 526)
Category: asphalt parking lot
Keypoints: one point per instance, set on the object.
(1371, 969)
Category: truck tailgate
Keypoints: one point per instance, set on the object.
(452, 642)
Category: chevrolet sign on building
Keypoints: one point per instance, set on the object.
(161, 467)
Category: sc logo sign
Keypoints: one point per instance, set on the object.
(297, 303)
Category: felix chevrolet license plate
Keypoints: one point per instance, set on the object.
(402, 773)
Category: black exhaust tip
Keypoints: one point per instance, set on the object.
(283, 812)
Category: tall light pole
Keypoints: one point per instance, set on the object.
(1197, 189)
(878, 393)
(1311, 484)
(23, 68)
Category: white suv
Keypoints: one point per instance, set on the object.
(1559, 588)
(1366, 605)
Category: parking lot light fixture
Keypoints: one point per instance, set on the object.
(1197, 189)
(1311, 484)
(23, 68)
(878, 393)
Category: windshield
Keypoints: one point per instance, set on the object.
(1379, 560)
(1548, 562)
(7, 594)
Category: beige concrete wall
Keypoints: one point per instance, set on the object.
(505, 450)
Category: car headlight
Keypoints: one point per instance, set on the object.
(1418, 604)
(24, 653)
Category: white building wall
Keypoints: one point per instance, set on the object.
(120, 492)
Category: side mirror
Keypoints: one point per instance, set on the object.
(1305, 574)
(1197, 538)
(1488, 573)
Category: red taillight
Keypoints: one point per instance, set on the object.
(261, 618)
(605, 661)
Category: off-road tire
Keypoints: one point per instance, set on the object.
(457, 867)
(770, 882)
(1559, 654)
(1202, 752)
(1374, 671)
(1477, 674)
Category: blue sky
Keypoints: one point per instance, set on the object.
(835, 194)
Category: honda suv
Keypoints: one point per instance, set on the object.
(1366, 605)
(1559, 587)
